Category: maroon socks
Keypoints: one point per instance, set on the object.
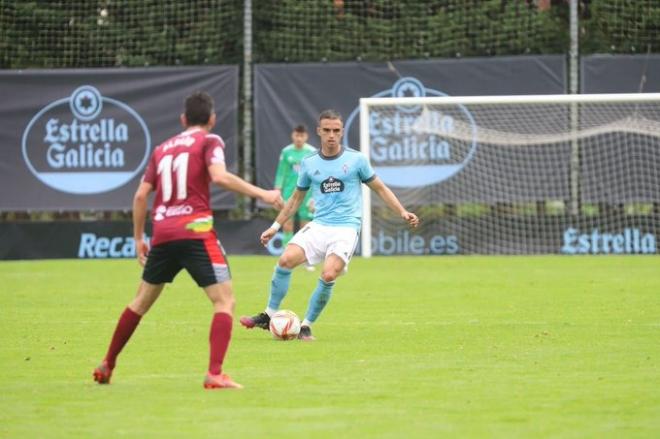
(219, 341)
(125, 326)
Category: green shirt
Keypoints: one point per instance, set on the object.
(287, 169)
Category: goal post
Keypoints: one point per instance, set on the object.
(522, 174)
(365, 236)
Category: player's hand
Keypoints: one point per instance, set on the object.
(410, 218)
(273, 197)
(267, 236)
(141, 251)
(310, 205)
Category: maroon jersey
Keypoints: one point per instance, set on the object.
(178, 171)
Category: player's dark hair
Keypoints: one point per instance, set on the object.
(198, 108)
(300, 129)
(330, 114)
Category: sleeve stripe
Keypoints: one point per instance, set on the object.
(367, 180)
(300, 188)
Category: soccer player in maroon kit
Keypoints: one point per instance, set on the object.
(179, 171)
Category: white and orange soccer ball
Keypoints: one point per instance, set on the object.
(284, 325)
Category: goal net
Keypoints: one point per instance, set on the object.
(571, 174)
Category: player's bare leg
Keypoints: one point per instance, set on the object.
(309, 267)
(333, 267)
(292, 257)
(222, 297)
(146, 295)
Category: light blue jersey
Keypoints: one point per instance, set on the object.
(336, 185)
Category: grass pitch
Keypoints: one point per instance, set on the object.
(407, 347)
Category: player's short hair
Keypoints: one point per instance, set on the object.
(330, 114)
(198, 108)
(302, 129)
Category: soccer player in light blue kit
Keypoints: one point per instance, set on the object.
(334, 175)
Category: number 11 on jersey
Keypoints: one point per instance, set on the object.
(179, 165)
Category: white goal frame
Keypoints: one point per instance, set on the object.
(367, 103)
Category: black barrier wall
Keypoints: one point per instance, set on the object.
(80, 139)
(620, 73)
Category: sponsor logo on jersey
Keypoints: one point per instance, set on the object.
(412, 146)
(86, 143)
(332, 185)
(628, 241)
(201, 225)
(163, 212)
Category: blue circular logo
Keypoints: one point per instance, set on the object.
(408, 88)
(86, 103)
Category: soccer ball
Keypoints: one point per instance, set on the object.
(284, 325)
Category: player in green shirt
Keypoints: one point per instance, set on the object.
(287, 176)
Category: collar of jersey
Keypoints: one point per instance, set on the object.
(325, 157)
(305, 146)
(191, 130)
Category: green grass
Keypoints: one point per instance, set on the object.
(407, 347)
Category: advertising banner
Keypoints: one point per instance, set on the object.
(513, 235)
(111, 239)
(80, 139)
(622, 235)
(290, 94)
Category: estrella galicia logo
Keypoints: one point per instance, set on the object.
(332, 185)
(413, 146)
(86, 143)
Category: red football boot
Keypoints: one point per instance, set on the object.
(261, 320)
(103, 373)
(222, 381)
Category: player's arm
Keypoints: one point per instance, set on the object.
(140, 200)
(289, 209)
(392, 201)
(227, 180)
